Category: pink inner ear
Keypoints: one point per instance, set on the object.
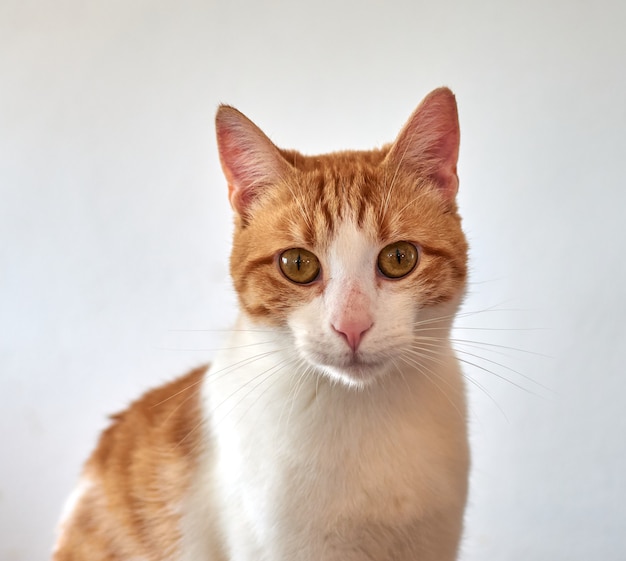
(239, 195)
(447, 155)
(429, 142)
(249, 159)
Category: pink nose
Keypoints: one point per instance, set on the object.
(353, 330)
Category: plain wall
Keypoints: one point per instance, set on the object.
(115, 227)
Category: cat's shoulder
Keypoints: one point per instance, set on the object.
(164, 415)
(144, 460)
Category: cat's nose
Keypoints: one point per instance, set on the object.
(353, 330)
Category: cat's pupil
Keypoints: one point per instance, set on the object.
(298, 261)
(399, 256)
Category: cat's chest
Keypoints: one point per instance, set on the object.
(282, 438)
(320, 475)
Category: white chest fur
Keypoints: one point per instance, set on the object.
(307, 469)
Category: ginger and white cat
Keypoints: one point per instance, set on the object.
(332, 427)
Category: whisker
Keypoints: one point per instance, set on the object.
(269, 373)
(421, 195)
(385, 205)
(273, 331)
(215, 349)
(434, 346)
(217, 374)
(495, 329)
(466, 314)
(235, 366)
(495, 363)
(187, 388)
(201, 422)
(298, 384)
(483, 389)
(433, 356)
(304, 214)
(401, 372)
(190, 432)
(183, 402)
(482, 344)
(432, 343)
(499, 376)
(432, 375)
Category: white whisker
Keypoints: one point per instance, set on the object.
(429, 373)
(275, 369)
(305, 371)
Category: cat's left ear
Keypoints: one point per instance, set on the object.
(250, 161)
(428, 144)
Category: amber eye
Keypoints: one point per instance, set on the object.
(397, 259)
(299, 265)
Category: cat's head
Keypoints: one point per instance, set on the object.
(353, 252)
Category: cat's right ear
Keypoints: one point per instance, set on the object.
(250, 161)
(429, 142)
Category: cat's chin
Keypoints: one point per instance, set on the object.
(356, 375)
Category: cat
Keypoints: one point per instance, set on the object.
(332, 426)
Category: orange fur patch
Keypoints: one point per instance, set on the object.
(302, 210)
(140, 472)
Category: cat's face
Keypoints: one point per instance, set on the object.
(353, 252)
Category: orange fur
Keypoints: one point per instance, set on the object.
(140, 470)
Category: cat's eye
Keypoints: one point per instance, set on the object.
(397, 259)
(299, 265)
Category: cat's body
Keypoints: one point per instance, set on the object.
(332, 425)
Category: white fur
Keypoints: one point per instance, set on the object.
(69, 508)
(316, 458)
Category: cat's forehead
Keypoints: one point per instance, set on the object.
(328, 189)
(368, 203)
(344, 213)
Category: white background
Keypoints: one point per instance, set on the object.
(115, 227)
